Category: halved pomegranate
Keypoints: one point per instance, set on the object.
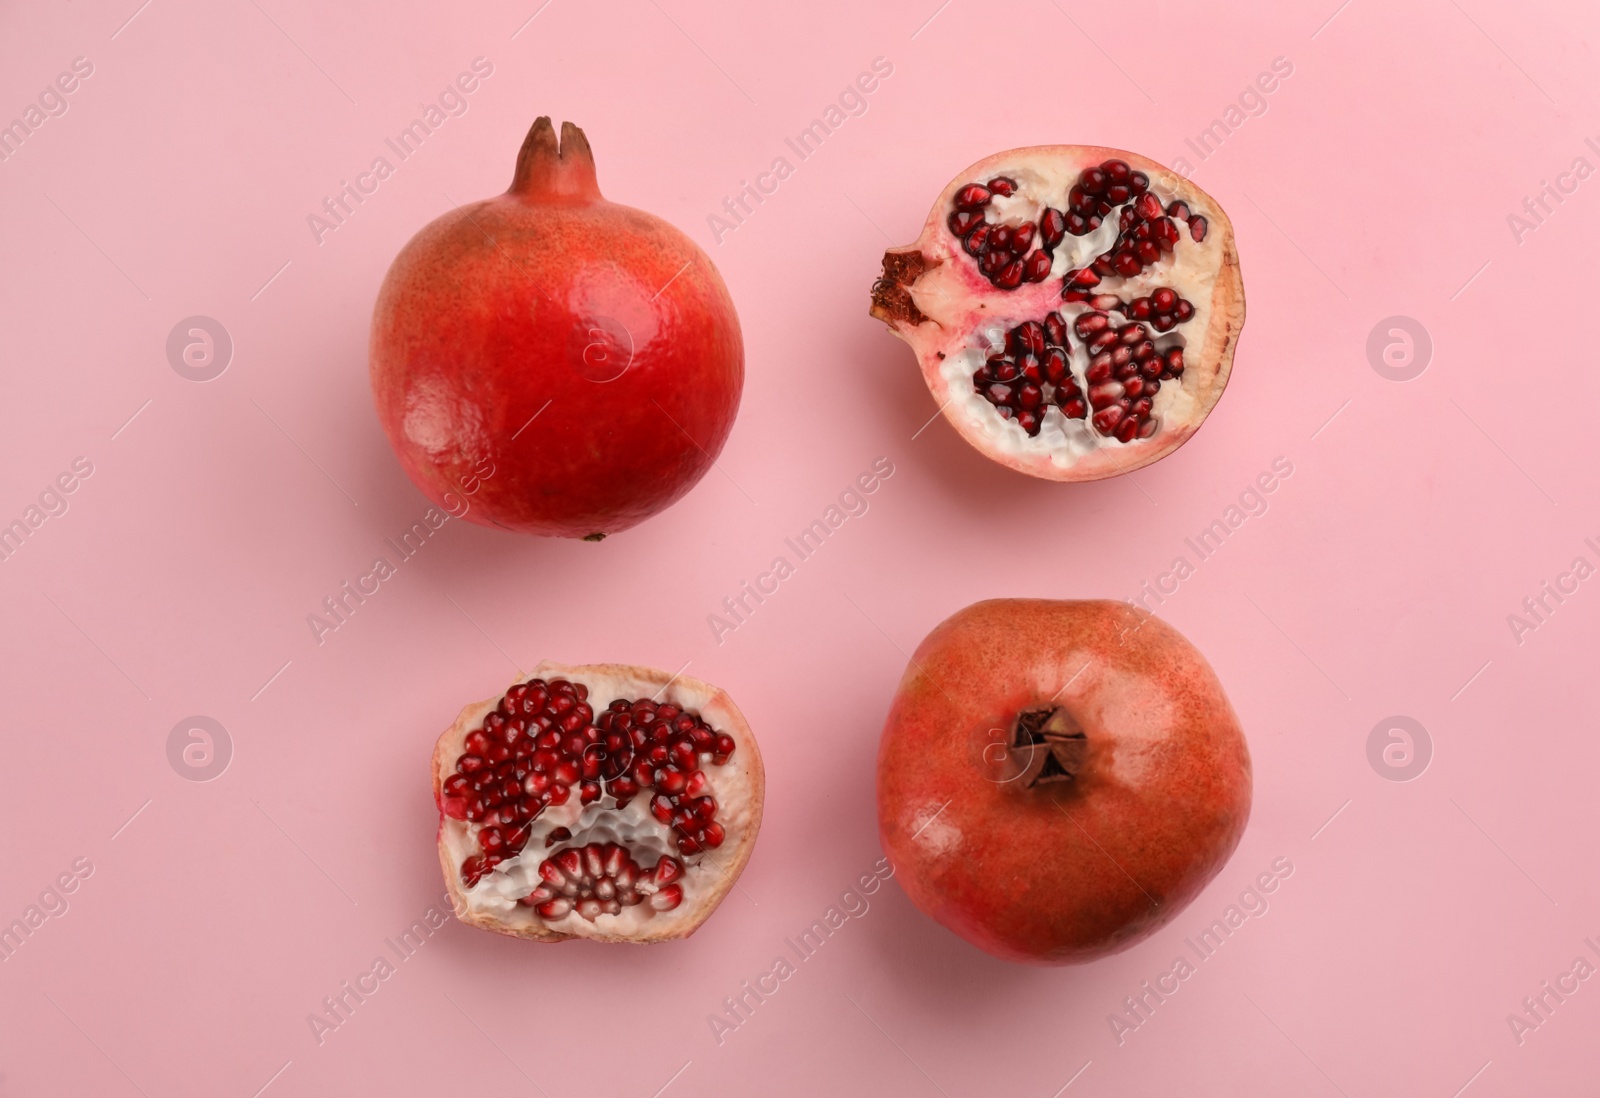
(604, 801)
(1074, 308)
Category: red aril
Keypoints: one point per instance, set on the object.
(1057, 780)
(562, 364)
(1074, 309)
(605, 801)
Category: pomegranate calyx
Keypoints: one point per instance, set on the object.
(1052, 743)
(547, 168)
(891, 294)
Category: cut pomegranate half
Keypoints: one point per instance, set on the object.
(605, 801)
(1074, 309)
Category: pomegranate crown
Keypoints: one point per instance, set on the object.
(547, 168)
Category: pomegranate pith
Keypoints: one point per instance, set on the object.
(1057, 780)
(629, 824)
(1138, 261)
(586, 352)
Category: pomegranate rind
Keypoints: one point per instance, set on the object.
(926, 288)
(1068, 872)
(552, 363)
(741, 816)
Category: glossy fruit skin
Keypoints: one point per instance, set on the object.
(1067, 872)
(548, 297)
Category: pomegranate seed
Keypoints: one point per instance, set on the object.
(1116, 195)
(1148, 252)
(962, 222)
(725, 746)
(1052, 229)
(1105, 420)
(1026, 338)
(1117, 171)
(559, 794)
(1148, 206)
(1082, 276)
(667, 899)
(1030, 396)
(1163, 299)
(1089, 323)
(1055, 365)
(1197, 228)
(1036, 268)
(1139, 182)
(1184, 311)
(1011, 277)
(1030, 369)
(1022, 237)
(971, 197)
(1127, 264)
(1002, 186)
(1178, 209)
(1000, 238)
(1055, 330)
(973, 244)
(1164, 323)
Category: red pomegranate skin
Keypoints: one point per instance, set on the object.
(549, 297)
(1067, 871)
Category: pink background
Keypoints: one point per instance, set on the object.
(1378, 583)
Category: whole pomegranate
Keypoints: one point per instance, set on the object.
(604, 801)
(574, 363)
(1057, 780)
(1074, 309)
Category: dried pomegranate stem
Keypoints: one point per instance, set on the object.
(547, 168)
(1052, 741)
